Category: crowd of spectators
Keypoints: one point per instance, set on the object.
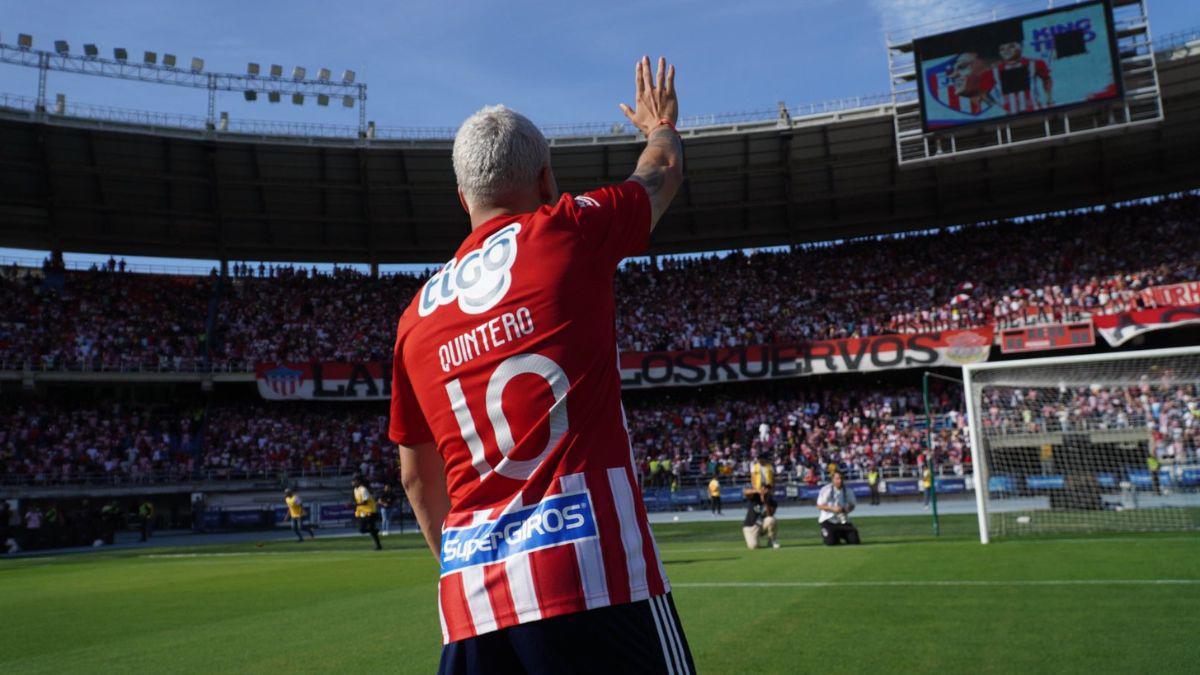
(42, 441)
(1047, 269)
(1169, 411)
(290, 314)
(296, 439)
(104, 319)
(803, 431)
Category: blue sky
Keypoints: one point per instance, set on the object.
(433, 63)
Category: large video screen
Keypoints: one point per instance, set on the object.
(1026, 65)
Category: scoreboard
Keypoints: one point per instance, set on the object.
(1033, 64)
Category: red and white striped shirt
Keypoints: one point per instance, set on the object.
(507, 359)
(1029, 100)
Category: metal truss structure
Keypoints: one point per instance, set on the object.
(343, 93)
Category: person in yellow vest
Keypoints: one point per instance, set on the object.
(366, 511)
(873, 483)
(295, 512)
(714, 495)
(762, 475)
(926, 485)
(1153, 465)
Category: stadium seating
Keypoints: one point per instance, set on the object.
(1038, 270)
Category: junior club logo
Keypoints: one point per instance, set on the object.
(284, 381)
(968, 347)
(479, 281)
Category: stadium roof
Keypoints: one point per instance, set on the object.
(95, 186)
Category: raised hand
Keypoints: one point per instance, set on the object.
(654, 100)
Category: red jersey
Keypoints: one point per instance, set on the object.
(507, 358)
(1028, 100)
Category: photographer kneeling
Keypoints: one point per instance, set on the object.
(835, 503)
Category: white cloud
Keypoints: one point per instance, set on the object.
(928, 16)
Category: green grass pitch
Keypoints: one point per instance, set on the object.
(902, 602)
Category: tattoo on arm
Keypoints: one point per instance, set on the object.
(664, 150)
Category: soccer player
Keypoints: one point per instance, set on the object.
(506, 404)
(295, 511)
(970, 84)
(366, 512)
(1022, 85)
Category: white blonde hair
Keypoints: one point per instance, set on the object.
(498, 151)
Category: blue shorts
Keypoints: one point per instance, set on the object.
(637, 637)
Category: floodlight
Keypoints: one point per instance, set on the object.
(276, 70)
(150, 57)
(322, 99)
(273, 96)
(347, 77)
(60, 104)
(323, 74)
(91, 51)
(298, 73)
(120, 54)
(347, 101)
(25, 41)
(197, 64)
(250, 95)
(61, 47)
(298, 99)
(252, 69)
(169, 60)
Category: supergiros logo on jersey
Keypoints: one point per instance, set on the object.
(479, 281)
(556, 520)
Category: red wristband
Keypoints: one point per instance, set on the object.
(666, 122)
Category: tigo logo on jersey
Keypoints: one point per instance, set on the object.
(479, 281)
(557, 520)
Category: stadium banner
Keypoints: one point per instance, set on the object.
(1027, 65)
(1118, 329)
(645, 370)
(366, 381)
(1047, 337)
(1172, 295)
(371, 380)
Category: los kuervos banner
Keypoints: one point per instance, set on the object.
(851, 355)
(371, 381)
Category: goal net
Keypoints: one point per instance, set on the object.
(1082, 444)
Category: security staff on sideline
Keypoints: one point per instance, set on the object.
(873, 483)
(714, 495)
(295, 512)
(366, 512)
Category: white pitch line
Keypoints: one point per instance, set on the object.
(938, 583)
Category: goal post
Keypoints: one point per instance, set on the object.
(1085, 444)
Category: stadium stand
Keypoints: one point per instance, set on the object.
(1040, 270)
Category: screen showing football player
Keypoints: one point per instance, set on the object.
(971, 84)
(506, 405)
(1024, 85)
